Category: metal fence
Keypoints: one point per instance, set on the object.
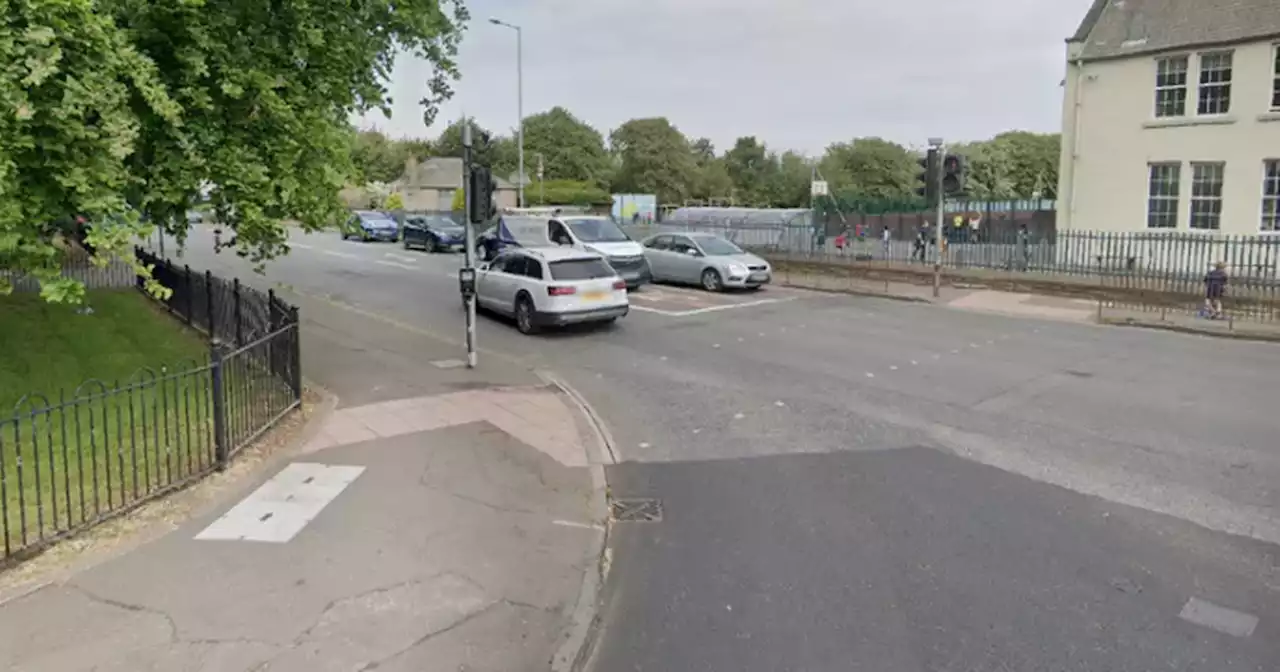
(72, 459)
(113, 274)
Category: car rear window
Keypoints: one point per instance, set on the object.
(580, 269)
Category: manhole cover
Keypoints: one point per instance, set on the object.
(636, 510)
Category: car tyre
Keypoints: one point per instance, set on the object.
(525, 323)
(711, 280)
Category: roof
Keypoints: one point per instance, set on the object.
(1120, 28)
(551, 254)
(439, 172)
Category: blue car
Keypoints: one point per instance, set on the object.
(370, 225)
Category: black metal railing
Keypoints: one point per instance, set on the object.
(75, 458)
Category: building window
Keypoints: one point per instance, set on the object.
(1162, 195)
(1171, 86)
(1206, 195)
(1271, 195)
(1275, 82)
(1215, 83)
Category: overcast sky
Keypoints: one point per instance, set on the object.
(798, 74)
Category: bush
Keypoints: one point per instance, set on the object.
(394, 202)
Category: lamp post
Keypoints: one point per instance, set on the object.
(519, 100)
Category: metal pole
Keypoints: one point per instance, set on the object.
(468, 258)
(942, 198)
(520, 107)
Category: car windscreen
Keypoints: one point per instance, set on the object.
(375, 221)
(580, 269)
(596, 231)
(718, 247)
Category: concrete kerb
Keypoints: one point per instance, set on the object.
(860, 292)
(1235, 334)
(239, 485)
(584, 623)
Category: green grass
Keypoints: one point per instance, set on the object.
(49, 347)
(87, 453)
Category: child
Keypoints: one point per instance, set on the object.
(840, 242)
(1215, 285)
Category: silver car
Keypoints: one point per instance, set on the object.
(704, 259)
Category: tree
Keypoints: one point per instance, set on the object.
(497, 152)
(123, 111)
(567, 192)
(378, 158)
(459, 202)
(1016, 164)
(871, 168)
(570, 148)
(654, 158)
(751, 168)
(790, 183)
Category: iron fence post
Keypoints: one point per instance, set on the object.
(221, 452)
(189, 313)
(235, 295)
(296, 353)
(208, 304)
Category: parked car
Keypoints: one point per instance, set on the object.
(704, 259)
(370, 225)
(433, 233)
(551, 286)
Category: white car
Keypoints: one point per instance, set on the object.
(551, 286)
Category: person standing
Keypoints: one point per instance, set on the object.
(1215, 287)
(886, 238)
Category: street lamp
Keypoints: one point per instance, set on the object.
(519, 100)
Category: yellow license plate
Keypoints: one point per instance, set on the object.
(594, 296)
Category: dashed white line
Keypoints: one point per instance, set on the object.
(893, 368)
(779, 404)
(572, 523)
(715, 345)
(913, 362)
(400, 257)
(301, 246)
(955, 352)
(871, 375)
(341, 255)
(738, 416)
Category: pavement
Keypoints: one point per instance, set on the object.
(848, 482)
(438, 518)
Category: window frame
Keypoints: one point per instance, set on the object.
(1270, 180)
(1174, 198)
(1185, 86)
(1198, 199)
(1275, 77)
(1223, 86)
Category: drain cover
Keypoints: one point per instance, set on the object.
(636, 510)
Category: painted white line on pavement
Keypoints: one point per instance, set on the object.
(1222, 619)
(396, 264)
(281, 507)
(334, 253)
(301, 246)
(570, 523)
(400, 257)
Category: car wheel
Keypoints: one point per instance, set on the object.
(404, 241)
(433, 245)
(711, 280)
(524, 316)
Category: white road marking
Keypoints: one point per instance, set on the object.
(697, 430)
(400, 257)
(663, 358)
(572, 523)
(913, 362)
(282, 506)
(715, 345)
(738, 416)
(779, 404)
(1222, 619)
(955, 352)
(760, 334)
(739, 339)
(396, 264)
(893, 368)
(334, 253)
(871, 375)
(644, 444)
(301, 246)
(937, 356)
(973, 345)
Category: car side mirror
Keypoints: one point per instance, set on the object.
(692, 252)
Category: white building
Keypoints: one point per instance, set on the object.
(1171, 118)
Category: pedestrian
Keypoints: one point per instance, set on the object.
(918, 245)
(841, 241)
(1215, 286)
(1024, 247)
(885, 238)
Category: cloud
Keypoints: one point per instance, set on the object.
(799, 74)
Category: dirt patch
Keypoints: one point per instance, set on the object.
(154, 519)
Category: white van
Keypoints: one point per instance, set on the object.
(583, 232)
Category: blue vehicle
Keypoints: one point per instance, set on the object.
(433, 233)
(370, 225)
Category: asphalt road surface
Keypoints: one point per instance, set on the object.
(859, 484)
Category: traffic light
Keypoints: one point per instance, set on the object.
(953, 174)
(928, 177)
(480, 188)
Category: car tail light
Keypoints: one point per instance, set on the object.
(561, 291)
(619, 284)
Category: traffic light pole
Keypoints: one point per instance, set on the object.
(468, 258)
(937, 143)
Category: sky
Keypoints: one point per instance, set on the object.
(797, 74)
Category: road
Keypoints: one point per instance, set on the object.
(860, 484)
